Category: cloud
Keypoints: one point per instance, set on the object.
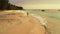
(39, 4)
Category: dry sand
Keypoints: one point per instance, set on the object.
(19, 23)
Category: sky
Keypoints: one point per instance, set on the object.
(37, 4)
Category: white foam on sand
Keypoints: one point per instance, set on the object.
(41, 19)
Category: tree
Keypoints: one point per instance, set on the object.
(4, 5)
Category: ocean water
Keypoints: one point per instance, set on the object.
(52, 13)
